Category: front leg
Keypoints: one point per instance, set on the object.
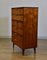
(22, 51)
(34, 50)
(13, 45)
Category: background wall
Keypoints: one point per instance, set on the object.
(5, 15)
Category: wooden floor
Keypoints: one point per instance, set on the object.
(7, 53)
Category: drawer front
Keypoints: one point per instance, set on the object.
(15, 17)
(14, 23)
(20, 31)
(17, 11)
(17, 30)
(18, 40)
(20, 25)
(14, 28)
(15, 36)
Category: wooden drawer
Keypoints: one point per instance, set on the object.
(16, 36)
(20, 25)
(14, 28)
(18, 40)
(15, 17)
(20, 31)
(14, 23)
(17, 11)
(17, 30)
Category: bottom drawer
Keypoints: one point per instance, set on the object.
(17, 36)
(18, 40)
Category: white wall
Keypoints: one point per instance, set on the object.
(4, 19)
(5, 12)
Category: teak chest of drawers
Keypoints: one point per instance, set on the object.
(24, 27)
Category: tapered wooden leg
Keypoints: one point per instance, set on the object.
(22, 51)
(34, 50)
(13, 45)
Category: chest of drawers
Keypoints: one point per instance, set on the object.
(24, 27)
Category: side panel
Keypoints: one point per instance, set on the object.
(30, 27)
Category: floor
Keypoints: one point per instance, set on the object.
(7, 53)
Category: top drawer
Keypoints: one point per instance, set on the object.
(17, 10)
